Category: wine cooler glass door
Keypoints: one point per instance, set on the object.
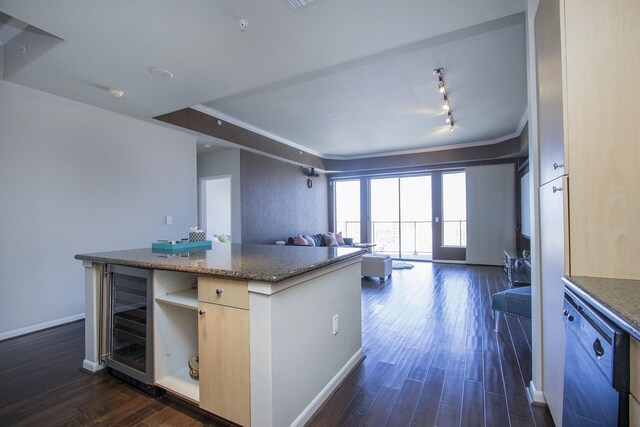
(130, 349)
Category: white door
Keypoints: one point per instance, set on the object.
(215, 203)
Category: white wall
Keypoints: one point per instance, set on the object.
(226, 162)
(491, 219)
(77, 179)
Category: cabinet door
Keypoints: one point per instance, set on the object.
(549, 75)
(552, 262)
(603, 130)
(223, 339)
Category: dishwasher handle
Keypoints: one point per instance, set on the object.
(597, 348)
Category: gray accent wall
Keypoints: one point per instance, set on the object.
(76, 179)
(276, 202)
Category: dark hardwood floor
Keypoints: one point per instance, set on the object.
(432, 359)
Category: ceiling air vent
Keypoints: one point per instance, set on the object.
(297, 4)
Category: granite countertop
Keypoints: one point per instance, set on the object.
(262, 263)
(617, 299)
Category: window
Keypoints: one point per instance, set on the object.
(454, 209)
(347, 207)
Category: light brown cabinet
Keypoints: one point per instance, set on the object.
(602, 127)
(588, 109)
(223, 342)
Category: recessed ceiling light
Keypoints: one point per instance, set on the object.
(160, 72)
(207, 145)
(118, 93)
(243, 24)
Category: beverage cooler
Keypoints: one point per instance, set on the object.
(129, 326)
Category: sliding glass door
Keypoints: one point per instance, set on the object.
(401, 216)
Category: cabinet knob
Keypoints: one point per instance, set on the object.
(202, 311)
(556, 189)
(558, 165)
(218, 291)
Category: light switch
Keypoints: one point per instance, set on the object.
(336, 327)
(168, 220)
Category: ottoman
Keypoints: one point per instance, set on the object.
(377, 266)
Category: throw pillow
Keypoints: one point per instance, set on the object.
(310, 240)
(339, 238)
(330, 240)
(317, 239)
(300, 241)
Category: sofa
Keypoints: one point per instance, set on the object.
(319, 240)
(373, 265)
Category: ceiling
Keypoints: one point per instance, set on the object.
(341, 78)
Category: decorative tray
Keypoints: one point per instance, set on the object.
(167, 247)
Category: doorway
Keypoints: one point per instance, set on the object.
(215, 206)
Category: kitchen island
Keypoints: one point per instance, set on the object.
(276, 328)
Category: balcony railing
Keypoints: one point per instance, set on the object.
(415, 236)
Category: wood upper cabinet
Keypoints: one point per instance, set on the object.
(223, 342)
(549, 83)
(602, 126)
(588, 63)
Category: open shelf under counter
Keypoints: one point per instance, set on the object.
(181, 384)
(187, 299)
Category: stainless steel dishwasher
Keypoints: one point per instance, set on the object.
(596, 379)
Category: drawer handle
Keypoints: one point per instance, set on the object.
(557, 166)
(202, 311)
(556, 189)
(218, 291)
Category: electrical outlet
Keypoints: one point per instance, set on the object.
(336, 326)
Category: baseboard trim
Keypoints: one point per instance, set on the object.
(40, 326)
(91, 367)
(326, 392)
(535, 396)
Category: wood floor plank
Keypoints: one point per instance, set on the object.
(365, 397)
(496, 410)
(429, 400)
(472, 404)
(381, 408)
(405, 406)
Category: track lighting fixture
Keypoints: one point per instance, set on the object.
(439, 72)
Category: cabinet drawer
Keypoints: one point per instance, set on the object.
(634, 366)
(232, 293)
